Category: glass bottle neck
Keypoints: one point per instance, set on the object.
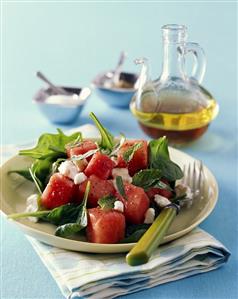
(173, 61)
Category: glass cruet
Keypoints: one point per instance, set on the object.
(175, 104)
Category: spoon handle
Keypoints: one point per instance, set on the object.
(142, 251)
(118, 68)
(56, 89)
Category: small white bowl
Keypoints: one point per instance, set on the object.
(61, 109)
(117, 97)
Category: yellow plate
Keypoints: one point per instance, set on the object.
(15, 190)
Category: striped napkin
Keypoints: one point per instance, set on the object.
(101, 276)
(95, 276)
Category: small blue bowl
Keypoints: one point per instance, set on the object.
(116, 96)
(59, 113)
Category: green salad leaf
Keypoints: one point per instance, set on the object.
(158, 147)
(81, 222)
(63, 214)
(107, 139)
(118, 145)
(55, 165)
(120, 186)
(170, 170)
(41, 170)
(146, 178)
(107, 202)
(24, 173)
(135, 237)
(159, 159)
(58, 216)
(134, 232)
(50, 145)
(128, 155)
(84, 156)
(149, 178)
(49, 152)
(37, 182)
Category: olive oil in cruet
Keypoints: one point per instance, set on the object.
(174, 105)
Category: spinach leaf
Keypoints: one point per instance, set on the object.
(37, 182)
(118, 145)
(55, 165)
(41, 170)
(134, 232)
(50, 144)
(120, 186)
(146, 178)
(107, 139)
(75, 142)
(62, 215)
(81, 222)
(107, 202)
(58, 216)
(24, 173)
(128, 155)
(135, 236)
(159, 159)
(169, 169)
(158, 147)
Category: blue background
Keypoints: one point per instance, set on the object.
(71, 43)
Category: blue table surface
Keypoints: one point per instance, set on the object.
(71, 43)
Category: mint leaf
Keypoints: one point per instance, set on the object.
(107, 202)
(146, 178)
(84, 156)
(120, 186)
(107, 139)
(161, 185)
(128, 155)
(118, 145)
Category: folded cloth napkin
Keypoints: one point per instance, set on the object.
(95, 276)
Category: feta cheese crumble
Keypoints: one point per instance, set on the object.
(149, 216)
(32, 206)
(123, 172)
(161, 201)
(68, 168)
(119, 206)
(79, 178)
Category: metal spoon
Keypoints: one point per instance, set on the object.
(113, 77)
(56, 89)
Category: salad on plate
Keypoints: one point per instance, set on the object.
(108, 189)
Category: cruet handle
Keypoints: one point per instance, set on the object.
(199, 66)
(142, 79)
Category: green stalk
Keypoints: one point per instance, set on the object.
(142, 251)
(28, 214)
